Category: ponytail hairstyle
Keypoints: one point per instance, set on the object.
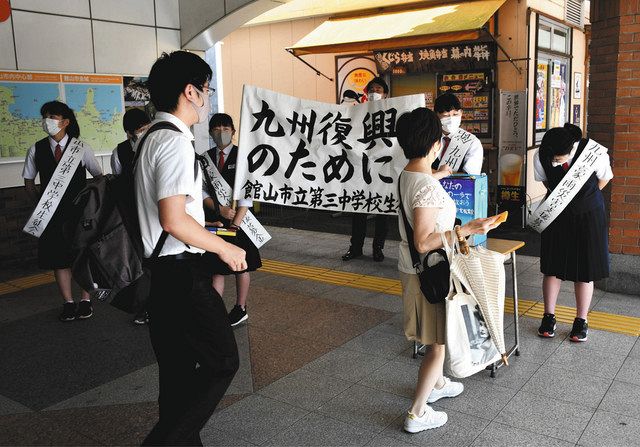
(63, 110)
(557, 141)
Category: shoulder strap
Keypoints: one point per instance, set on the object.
(157, 126)
(415, 256)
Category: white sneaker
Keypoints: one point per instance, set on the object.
(450, 389)
(430, 419)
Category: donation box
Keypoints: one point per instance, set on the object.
(470, 194)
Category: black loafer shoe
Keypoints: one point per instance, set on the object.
(351, 254)
(378, 256)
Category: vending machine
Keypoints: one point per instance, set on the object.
(471, 196)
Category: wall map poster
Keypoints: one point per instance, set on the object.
(97, 100)
(474, 90)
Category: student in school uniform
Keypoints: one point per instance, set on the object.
(376, 90)
(135, 123)
(575, 245)
(61, 126)
(449, 110)
(188, 324)
(224, 155)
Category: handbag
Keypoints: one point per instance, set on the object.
(434, 272)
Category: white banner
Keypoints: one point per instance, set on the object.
(573, 181)
(310, 154)
(513, 137)
(56, 188)
(458, 147)
(250, 225)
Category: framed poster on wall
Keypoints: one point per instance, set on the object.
(541, 95)
(353, 73)
(577, 85)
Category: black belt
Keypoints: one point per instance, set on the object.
(182, 256)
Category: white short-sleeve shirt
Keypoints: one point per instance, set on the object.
(167, 168)
(116, 166)
(89, 160)
(420, 190)
(226, 151)
(602, 165)
(472, 161)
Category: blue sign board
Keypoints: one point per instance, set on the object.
(470, 194)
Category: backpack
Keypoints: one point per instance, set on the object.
(105, 238)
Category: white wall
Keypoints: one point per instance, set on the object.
(88, 36)
(122, 37)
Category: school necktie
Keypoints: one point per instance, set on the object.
(58, 153)
(221, 161)
(565, 166)
(447, 140)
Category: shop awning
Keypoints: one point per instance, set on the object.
(424, 26)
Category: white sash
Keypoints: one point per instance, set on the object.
(565, 191)
(56, 188)
(250, 225)
(458, 147)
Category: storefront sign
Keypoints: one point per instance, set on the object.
(474, 89)
(310, 154)
(512, 144)
(438, 58)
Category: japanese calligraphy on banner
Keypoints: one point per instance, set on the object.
(566, 190)
(438, 58)
(316, 155)
(56, 188)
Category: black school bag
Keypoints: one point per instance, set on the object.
(106, 242)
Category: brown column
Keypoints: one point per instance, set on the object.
(614, 121)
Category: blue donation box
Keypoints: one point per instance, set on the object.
(470, 193)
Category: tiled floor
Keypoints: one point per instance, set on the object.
(321, 364)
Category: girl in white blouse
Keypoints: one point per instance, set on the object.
(430, 211)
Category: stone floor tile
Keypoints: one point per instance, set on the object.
(630, 371)
(320, 430)
(36, 429)
(366, 298)
(611, 429)
(8, 406)
(378, 343)
(345, 364)
(543, 415)
(216, 438)
(256, 418)
(577, 358)
(395, 377)
(305, 389)
(367, 408)
(500, 435)
(513, 376)
(388, 441)
(635, 352)
(607, 342)
(394, 325)
(483, 400)
(578, 387)
(460, 430)
(616, 303)
(622, 398)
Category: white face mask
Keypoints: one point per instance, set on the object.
(203, 110)
(451, 123)
(375, 96)
(51, 126)
(558, 163)
(222, 138)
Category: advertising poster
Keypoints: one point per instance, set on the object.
(558, 105)
(353, 73)
(541, 95)
(512, 147)
(473, 89)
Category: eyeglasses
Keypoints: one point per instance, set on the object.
(209, 91)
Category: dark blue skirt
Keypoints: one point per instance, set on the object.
(575, 247)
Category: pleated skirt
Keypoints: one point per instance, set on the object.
(575, 247)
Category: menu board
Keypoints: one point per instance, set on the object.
(474, 90)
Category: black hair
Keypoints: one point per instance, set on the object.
(221, 119)
(377, 80)
(418, 131)
(134, 119)
(60, 108)
(351, 94)
(171, 73)
(556, 141)
(574, 130)
(446, 103)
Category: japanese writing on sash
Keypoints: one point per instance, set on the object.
(458, 147)
(56, 188)
(573, 181)
(309, 154)
(250, 225)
